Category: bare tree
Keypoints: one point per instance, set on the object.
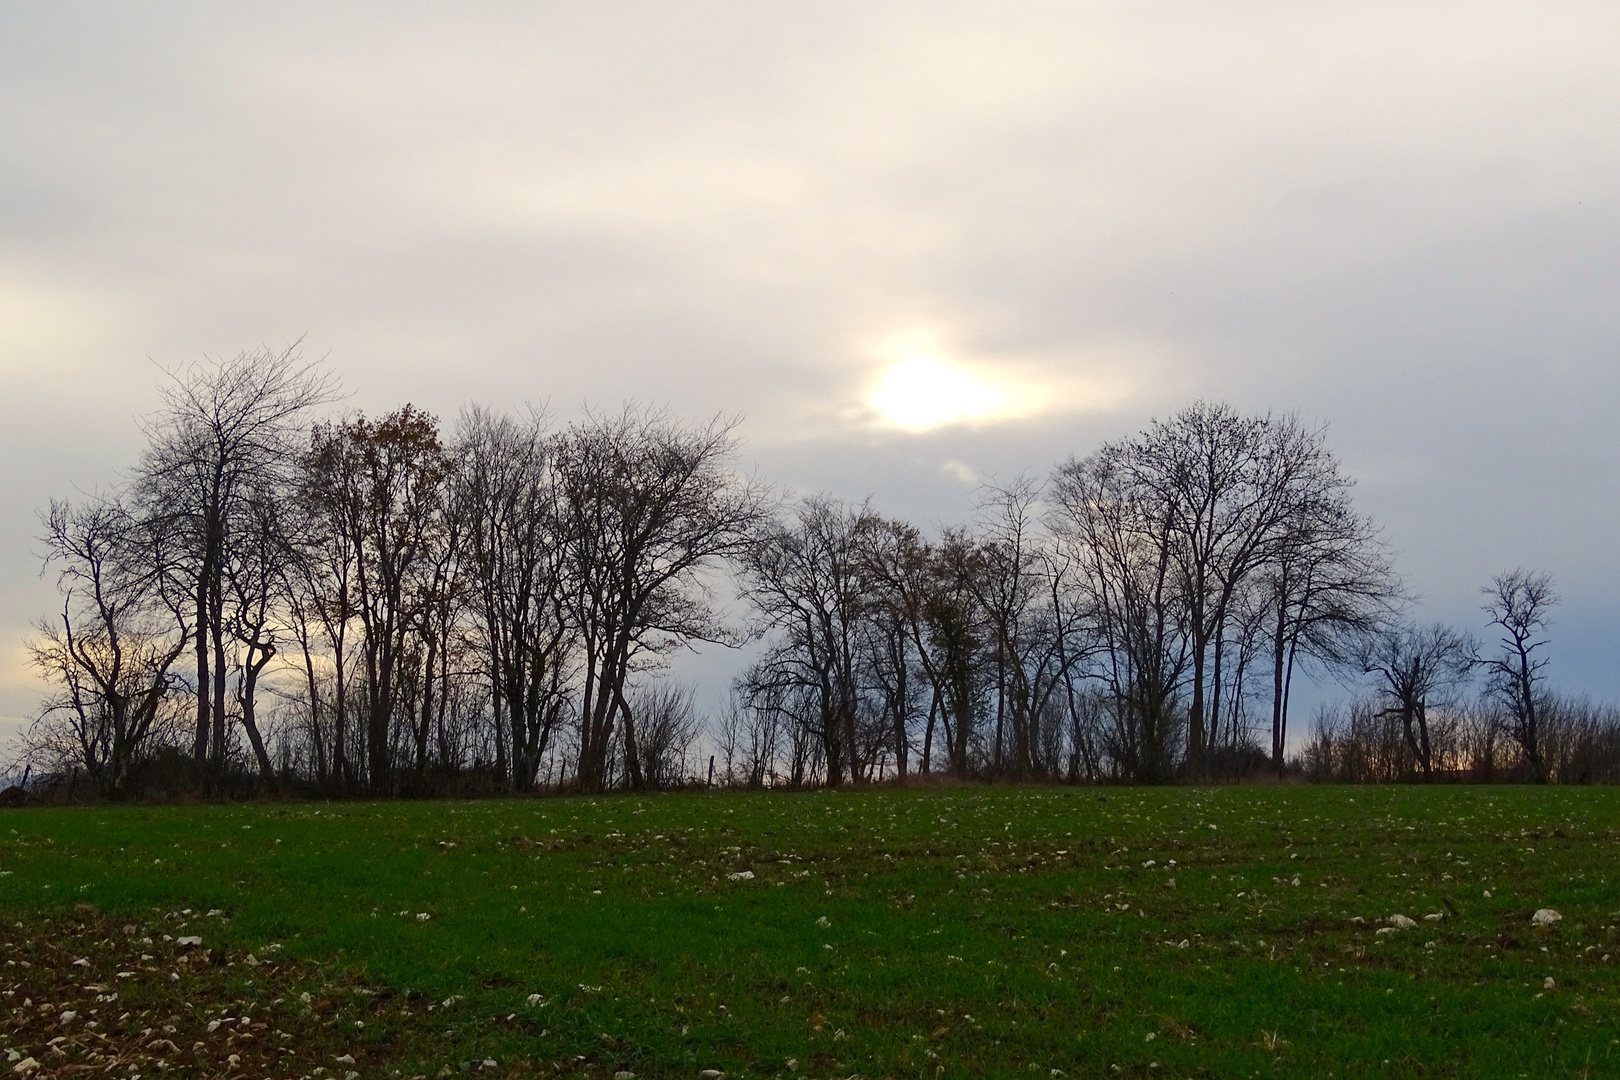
(505, 489)
(1009, 592)
(1518, 602)
(668, 726)
(1329, 584)
(227, 428)
(254, 576)
(1416, 666)
(319, 586)
(647, 507)
(1118, 533)
(928, 593)
(1233, 488)
(381, 484)
(810, 585)
(122, 628)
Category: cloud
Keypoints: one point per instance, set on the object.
(1398, 217)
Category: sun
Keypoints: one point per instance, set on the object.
(922, 392)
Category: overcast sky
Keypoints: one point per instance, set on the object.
(913, 244)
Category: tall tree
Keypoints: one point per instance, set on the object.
(959, 639)
(1329, 584)
(1518, 604)
(227, 429)
(1120, 534)
(254, 580)
(899, 572)
(381, 484)
(648, 506)
(809, 581)
(319, 584)
(505, 487)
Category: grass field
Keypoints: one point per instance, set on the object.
(952, 932)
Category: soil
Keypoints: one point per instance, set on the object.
(84, 994)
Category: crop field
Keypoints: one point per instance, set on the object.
(932, 933)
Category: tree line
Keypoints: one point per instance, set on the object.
(281, 599)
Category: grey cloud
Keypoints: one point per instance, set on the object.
(1397, 217)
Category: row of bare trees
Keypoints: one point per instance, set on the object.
(1138, 615)
(1468, 740)
(410, 605)
(372, 604)
(1418, 719)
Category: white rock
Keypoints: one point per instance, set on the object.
(1401, 922)
(1545, 917)
(1435, 916)
(1550, 983)
(346, 1059)
(741, 875)
(711, 1074)
(188, 941)
(26, 1065)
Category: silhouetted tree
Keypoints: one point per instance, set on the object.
(123, 626)
(1415, 665)
(227, 434)
(1518, 603)
(647, 507)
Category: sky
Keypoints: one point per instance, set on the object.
(914, 246)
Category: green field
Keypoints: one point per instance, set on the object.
(1049, 932)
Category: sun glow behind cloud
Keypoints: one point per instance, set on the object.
(920, 386)
(922, 393)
